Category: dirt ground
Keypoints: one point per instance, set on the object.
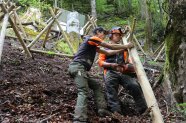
(40, 90)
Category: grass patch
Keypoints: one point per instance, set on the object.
(63, 47)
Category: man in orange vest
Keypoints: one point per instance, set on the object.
(82, 63)
(118, 70)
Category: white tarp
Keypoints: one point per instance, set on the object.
(73, 22)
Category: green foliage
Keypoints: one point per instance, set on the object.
(50, 52)
(63, 47)
(112, 21)
(183, 108)
(34, 3)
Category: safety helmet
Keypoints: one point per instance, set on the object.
(116, 30)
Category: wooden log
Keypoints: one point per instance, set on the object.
(9, 10)
(158, 49)
(92, 23)
(63, 32)
(144, 83)
(87, 29)
(137, 42)
(47, 52)
(43, 31)
(14, 37)
(3, 32)
(159, 53)
(48, 32)
(24, 24)
(20, 25)
(17, 33)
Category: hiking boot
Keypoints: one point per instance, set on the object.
(103, 112)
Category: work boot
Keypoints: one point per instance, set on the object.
(103, 112)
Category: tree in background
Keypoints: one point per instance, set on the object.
(93, 8)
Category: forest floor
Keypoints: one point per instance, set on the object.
(40, 90)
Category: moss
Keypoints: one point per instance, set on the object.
(33, 33)
(75, 40)
(172, 42)
(63, 47)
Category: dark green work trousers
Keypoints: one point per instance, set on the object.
(84, 82)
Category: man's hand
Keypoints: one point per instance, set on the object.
(113, 65)
(130, 45)
(117, 67)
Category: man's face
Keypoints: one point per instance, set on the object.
(116, 37)
(101, 35)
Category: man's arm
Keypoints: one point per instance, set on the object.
(109, 52)
(116, 46)
(103, 63)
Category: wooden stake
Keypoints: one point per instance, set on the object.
(43, 31)
(144, 82)
(17, 32)
(159, 53)
(3, 32)
(63, 32)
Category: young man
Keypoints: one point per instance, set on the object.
(82, 63)
(118, 70)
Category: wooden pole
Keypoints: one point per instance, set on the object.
(137, 42)
(43, 31)
(144, 83)
(159, 48)
(17, 32)
(14, 37)
(3, 33)
(63, 32)
(159, 53)
(48, 32)
(20, 25)
(9, 10)
(47, 52)
(92, 23)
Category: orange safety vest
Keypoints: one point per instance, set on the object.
(103, 58)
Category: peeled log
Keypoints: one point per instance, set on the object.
(144, 83)
(3, 32)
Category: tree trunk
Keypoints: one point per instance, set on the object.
(148, 27)
(160, 8)
(175, 42)
(93, 8)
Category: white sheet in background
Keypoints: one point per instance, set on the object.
(73, 22)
